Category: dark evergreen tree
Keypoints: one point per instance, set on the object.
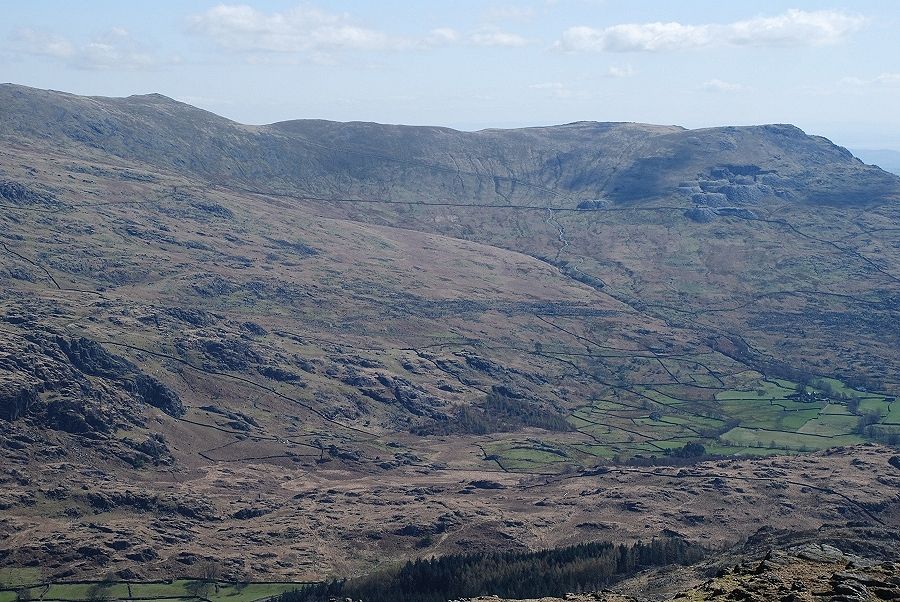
(584, 567)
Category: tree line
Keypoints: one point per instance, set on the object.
(554, 572)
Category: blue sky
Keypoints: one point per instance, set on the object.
(833, 69)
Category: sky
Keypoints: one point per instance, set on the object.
(833, 68)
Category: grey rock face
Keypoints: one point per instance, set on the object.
(712, 199)
(51, 381)
(16, 397)
(701, 214)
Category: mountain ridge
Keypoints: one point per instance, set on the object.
(623, 161)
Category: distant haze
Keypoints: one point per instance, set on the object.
(888, 160)
(829, 68)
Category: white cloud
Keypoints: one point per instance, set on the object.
(796, 28)
(115, 49)
(620, 71)
(41, 43)
(241, 27)
(883, 80)
(497, 38)
(647, 37)
(320, 34)
(791, 28)
(442, 36)
(718, 85)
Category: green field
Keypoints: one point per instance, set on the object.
(746, 437)
(14, 577)
(530, 455)
(755, 416)
(184, 589)
(893, 416)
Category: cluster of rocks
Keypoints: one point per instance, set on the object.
(52, 383)
(194, 316)
(152, 450)
(19, 194)
(185, 206)
(93, 359)
(238, 421)
(727, 189)
(733, 184)
(394, 390)
(225, 353)
(191, 507)
(594, 204)
(295, 248)
(811, 571)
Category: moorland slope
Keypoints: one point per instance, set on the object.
(304, 348)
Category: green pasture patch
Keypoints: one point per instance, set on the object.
(750, 437)
(597, 451)
(601, 431)
(753, 414)
(744, 376)
(677, 419)
(893, 416)
(526, 456)
(13, 577)
(759, 390)
(676, 443)
(835, 409)
(769, 422)
(601, 405)
(174, 590)
(837, 387)
(530, 454)
(791, 405)
(831, 424)
(734, 450)
(697, 421)
(71, 591)
(250, 592)
(874, 404)
(794, 420)
(742, 395)
(650, 447)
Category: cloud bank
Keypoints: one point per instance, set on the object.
(311, 30)
(114, 49)
(791, 28)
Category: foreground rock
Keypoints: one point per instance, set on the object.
(801, 573)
